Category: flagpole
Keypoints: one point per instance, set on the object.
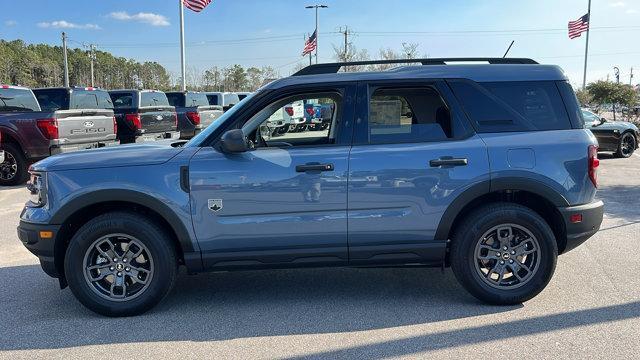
(182, 52)
(586, 49)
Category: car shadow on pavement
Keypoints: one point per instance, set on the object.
(35, 314)
(482, 334)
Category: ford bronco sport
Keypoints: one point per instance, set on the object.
(486, 168)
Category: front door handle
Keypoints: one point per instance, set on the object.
(317, 167)
(448, 161)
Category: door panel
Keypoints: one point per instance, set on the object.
(399, 190)
(271, 214)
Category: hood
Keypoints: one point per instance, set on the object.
(117, 156)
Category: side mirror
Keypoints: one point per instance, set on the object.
(234, 141)
(603, 120)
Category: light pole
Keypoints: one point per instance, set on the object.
(317, 34)
(616, 72)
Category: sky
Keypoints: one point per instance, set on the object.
(271, 32)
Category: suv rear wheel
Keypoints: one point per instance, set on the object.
(120, 264)
(504, 254)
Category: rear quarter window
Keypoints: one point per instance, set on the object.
(94, 99)
(52, 99)
(17, 100)
(513, 106)
(153, 98)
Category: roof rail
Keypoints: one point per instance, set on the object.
(332, 68)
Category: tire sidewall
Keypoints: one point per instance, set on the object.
(620, 153)
(507, 215)
(21, 162)
(164, 263)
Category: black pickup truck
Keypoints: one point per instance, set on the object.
(59, 120)
(144, 115)
(194, 112)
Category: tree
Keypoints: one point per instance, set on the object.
(584, 98)
(607, 92)
(235, 78)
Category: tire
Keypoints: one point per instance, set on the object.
(627, 145)
(160, 263)
(470, 243)
(14, 169)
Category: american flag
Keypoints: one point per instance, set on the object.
(196, 5)
(576, 28)
(311, 44)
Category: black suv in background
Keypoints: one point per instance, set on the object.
(144, 115)
(194, 112)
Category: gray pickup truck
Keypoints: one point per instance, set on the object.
(194, 112)
(59, 120)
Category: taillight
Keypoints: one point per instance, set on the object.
(175, 119)
(133, 120)
(594, 163)
(311, 111)
(194, 117)
(115, 125)
(48, 128)
(289, 110)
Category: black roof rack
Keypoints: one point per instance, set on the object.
(332, 68)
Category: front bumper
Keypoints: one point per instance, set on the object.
(579, 231)
(43, 248)
(65, 148)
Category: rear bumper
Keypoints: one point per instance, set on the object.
(579, 231)
(65, 148)
(167, 135)
(29, 235)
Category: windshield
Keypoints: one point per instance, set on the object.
(198, 139)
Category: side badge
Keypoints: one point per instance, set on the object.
(215, 204)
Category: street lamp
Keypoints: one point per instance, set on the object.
(317, 6)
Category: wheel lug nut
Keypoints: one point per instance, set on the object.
(501, 262)
(513, 252)
(112, 268)
(504, 248)
(127, 269)
(119, 274)
(511, 261)
(124, 260)
(115, 260)
(498, 254)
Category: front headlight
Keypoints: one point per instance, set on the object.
(37, 190)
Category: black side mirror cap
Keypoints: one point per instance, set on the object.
(234, 141)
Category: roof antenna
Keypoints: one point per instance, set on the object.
(509, 48)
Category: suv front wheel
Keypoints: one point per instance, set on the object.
(504, 253)
(120, 264)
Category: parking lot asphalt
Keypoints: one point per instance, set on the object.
(591, 308)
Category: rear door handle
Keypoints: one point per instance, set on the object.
(448, 161)
(314, 167)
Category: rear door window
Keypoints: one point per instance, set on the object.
(408, 115)
(231, 99)
(513, 106)
(214, 99)
(90, 99)
(17, 100)
(196, 99)
(153, 98)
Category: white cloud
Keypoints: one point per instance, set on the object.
(632, 11)
(10, 23)
(146, 18)
(62, 24)
(618, 4)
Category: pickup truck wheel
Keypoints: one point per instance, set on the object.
(13, 171)
(627, 145)
(504, 254)
(120, 264)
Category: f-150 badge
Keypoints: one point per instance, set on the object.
(215, 205)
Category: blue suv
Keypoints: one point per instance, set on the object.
(483, 167)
